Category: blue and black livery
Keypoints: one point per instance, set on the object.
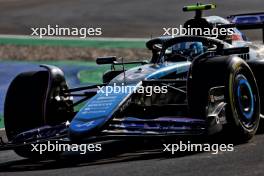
(210, 90)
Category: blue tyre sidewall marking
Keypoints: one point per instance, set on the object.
(244, 82)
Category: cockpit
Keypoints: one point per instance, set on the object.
(184, 51)
(183, 48)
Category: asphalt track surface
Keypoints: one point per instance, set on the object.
(138, 158)
(117, 18)
(126, 19)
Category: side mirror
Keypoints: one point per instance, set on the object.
(106, 60)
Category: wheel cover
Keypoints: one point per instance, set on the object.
(245, 100)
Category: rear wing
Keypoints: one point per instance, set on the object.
(248, 21)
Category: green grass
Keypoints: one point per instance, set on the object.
(1, 121)
(56, 62)
(63, 62)
(107, 43)
(92, 76)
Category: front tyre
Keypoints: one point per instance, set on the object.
(25, 107)
(243, 104)
(240, 93)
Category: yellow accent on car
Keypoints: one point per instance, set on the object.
(199, 7)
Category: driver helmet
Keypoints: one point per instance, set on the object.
(196, 48)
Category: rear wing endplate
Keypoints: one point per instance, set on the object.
(248, 21)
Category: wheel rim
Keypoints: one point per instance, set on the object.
(245, 99)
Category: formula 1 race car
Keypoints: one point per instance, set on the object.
(192, 85)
